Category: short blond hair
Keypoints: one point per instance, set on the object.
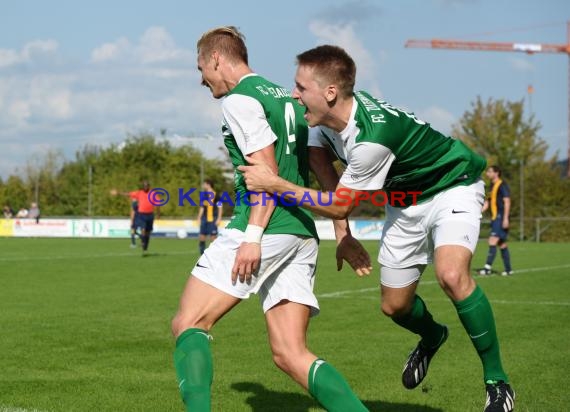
(226, 40)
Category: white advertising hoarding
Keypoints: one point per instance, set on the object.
(120, 228)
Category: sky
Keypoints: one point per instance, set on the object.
(75, 73)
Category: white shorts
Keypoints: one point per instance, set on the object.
(287, 269)
(411, 234)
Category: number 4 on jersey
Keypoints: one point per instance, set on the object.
(290, 124)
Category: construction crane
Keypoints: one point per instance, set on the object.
(529, 48)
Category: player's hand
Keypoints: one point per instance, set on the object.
(113, 192)
(353, 252)
(247, 262)
(505, 223)
(257, 175)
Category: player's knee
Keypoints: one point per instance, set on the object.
(182, 322)
(282, 358)
(286, 358)
(282, 361)
(176, 326)
(454, 281)
(394, 309)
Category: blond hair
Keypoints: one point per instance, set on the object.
(226, 40)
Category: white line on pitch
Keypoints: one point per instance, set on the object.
(524, 302)
(10, 409)
(346, 292)
(516, 302)
(102, 255)
(342, 293)
(542, 268)
(493, 301)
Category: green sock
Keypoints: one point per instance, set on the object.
(328, 386)
(194, 369)
(477, 318)
(420, 321)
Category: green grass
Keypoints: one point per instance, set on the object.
(85, 326)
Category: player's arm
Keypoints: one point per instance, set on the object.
(116, 192)
(321, 163)
(200, 213)
(259, 177)
(248, 124)
(507, 212)
(262, 206)
(348, 248)
(485, 205)
(248, 256)
(220, 213)
(367, 170)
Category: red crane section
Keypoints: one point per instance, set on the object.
(529, 48)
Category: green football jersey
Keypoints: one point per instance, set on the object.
(387, 148)
(285, 118)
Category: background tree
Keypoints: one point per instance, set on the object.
(499, 131)
(41, 178)
(15, 193)
(75, 187)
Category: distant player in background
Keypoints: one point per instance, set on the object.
(209, 215)
(144, 218)
(499, 201)
(134, 211)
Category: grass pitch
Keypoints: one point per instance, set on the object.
(85, 326)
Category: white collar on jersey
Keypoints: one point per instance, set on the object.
(246, 76)
(350, 128)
